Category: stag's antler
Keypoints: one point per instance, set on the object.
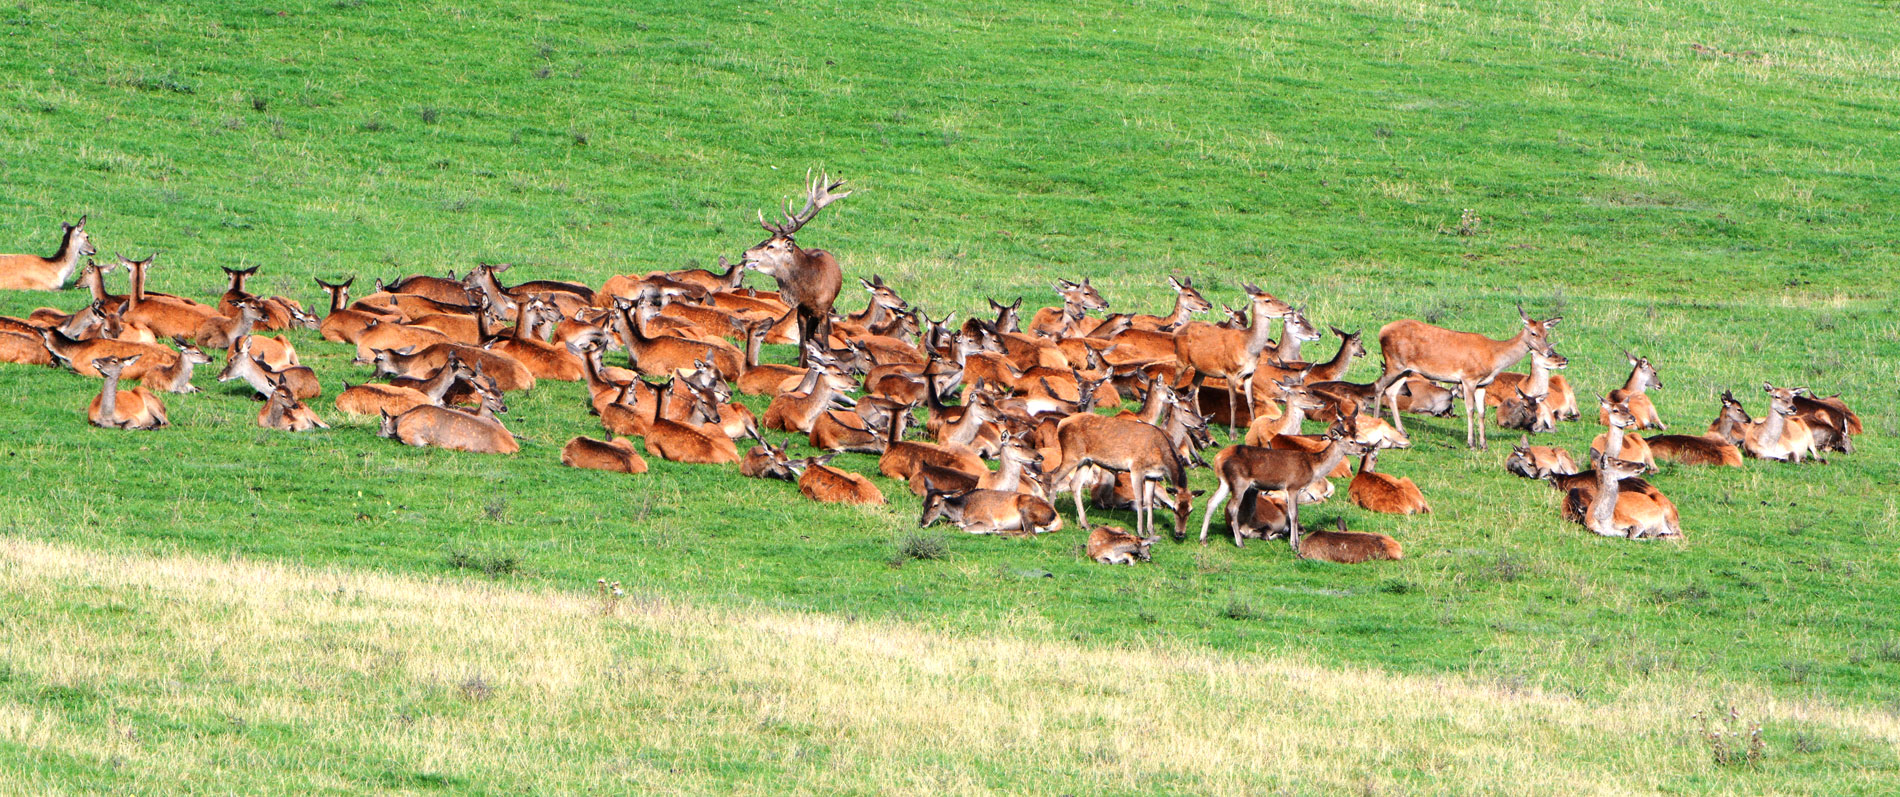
(817, 196)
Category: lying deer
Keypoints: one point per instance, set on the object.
(1538, 462)
(35, 273)
(1113, 545)
(282, 411)
(113, 408)
(616, 455)
(1348, 547)
(990, 512)
(820, 482)
(1609, 511)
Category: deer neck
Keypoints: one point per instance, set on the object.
(523, 321)
(1613, 442)
(753, 342)
(1153, 405)
(1291, 419)
(1259, 334)
(246, 319)
(95, 281)
(963, 432)
(810, 382)
(339, 298)
(1540, 380)
(872, 315)
(1368, 460)
(1506, 353)
(109, 398)
(1327, 460)
(1288, 349)
(1180, 314)
(67, 258)
(1635, 383)
(274, 412)
(181, 373)
(1602, 513)
(1333, 368)
(438, 385)
(1772, 426)
(1009, 475)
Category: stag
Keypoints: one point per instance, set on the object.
(808, 279)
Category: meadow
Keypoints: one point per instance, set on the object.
(1707, 184)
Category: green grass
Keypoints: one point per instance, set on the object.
(1727, 214)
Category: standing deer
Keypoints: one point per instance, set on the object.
(35, 273)
(1466, 358)
(1230, 354)
(1245, 468)
(808, 279)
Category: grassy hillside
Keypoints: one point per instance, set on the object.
(1705, 183)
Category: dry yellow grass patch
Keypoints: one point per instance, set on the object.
(154, 674)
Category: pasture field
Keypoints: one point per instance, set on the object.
(1709, 184)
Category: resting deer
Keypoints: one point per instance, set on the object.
(509, 374)
(282, 411)
(1351, 347)
(1230, 354)
(990, 512)
(1643, 378)
(1245, 468)
(1113, 545)
(799, 409)
(176, 378)
(1077, 299)
(220, 333)
(443, 427)
(373, 399)
(35, 273)
(79, 354)
(1348, 547)
(543, 359)
(113, 408)
(1532, 413)
(1618, 443)
(261, 377)
(808, 279)
(696, 440)
(820, 482)
(766, 461)
(163, 314)
(1468, 359)
(616, 455)
(1780, 435)
(1379, 492)
(343, 324)
(1563, 402)
(1538, 462)
(1611, 512)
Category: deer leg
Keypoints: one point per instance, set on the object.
(1391, 394)
(1293, 517)
(1075, 478)
(1213, 504)
(1477, 391)
(1250, 415)
(1233, 410)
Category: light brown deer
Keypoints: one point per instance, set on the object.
(113, 408)
(616, 455)
(808, 279)
(1231, 355)
(658, 355)
(1540, 381)
(261, 377)
(860, 429)
(1634, 392)
(799, 409)
(1188, 303)
(1468, 359)
(990, 512)
(1379, 492)
(373, 399)
(24, 350)
(1618, 443)
(176, 378)
(283, 412)
(1113, 545)
(1119, 446)
(380, 334)
(820, 482)
(1348, 547)
(543, 359)
(1779, 435)
(35, 273)
(696, 440)
(1245, 468)
(1610, 511)
(1538, 462)
(444, 427)
(509, 374)
(766, 461)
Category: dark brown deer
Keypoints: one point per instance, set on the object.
(1348, 547)
(1468, 359)
(808, 279)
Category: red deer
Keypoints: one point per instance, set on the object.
(176, 378)
(1379, 492)
(342, 324)
(1119, 446)
(990, 512)
(1643, 378)
(1618, 443)
(1351, 347)
(570, 297)
(1245, 468)
(509, 374)
(1077, 299)
(79, 354)
(902, 458)
(1540, 382)
(1685, 449)
(659, 355)
(275, 312)
(1348, 547)
(1230, 354)
(1113, 545)
(616, 455)
(1780, 435)
(372, 399)
(261, 377)
(1611, 512)
(220, 333)
(113, 408)
(825, 484)
(35, 273)
(448, 290)
(1538, 462)
(695, 440)
(808, 279)
(1830, 411)
(380, 334)
(860, 429)
(453, 429)
(799, 409)
(1531, 413)
(766, 461)
(543, 359)
(1188, 303)
(1468, 359)
(16, 348)
(163, 314)
(283, 412)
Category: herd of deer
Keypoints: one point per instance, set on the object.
(1026, 396)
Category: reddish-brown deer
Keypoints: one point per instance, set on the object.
(1468, 359)
(1538, 462)
(1610, 511)
(282, 411)
(1230, 354)
(1113, 545)
(1634, 392)
(616, 455)
(1348, 547)
(1245, 468)
(113, 408)
(35, 273)
(808, 279)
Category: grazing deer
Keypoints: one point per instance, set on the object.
(176, 378)
(1538, 462)
(1188, 303)
(696, 440)
(1618, 443)
(1245, 468)
(1348, 547)
(1378, 492)
(1119, 446)
(808, 279)
(820, 482)
(1643, 378)
(1466, 358)
(1530, 412)
(990, 512)
(261, 377)
(113, 408)
(616, 455)
(283, 412)
(35, 273)
(444, 427)
(1610, 511)
(1113, 545)
(1540, 381)
(1232, 355)
(1077, 299)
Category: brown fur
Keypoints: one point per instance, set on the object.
(616, 455)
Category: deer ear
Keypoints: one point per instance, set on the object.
(1553, 321)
